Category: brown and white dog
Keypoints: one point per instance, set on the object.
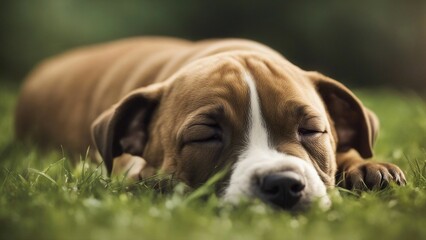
(193, 108)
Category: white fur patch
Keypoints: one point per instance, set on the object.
(259, 159)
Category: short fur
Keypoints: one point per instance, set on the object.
(154, 100)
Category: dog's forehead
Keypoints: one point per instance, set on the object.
(285, 93)
(208, 85)
(221, 81)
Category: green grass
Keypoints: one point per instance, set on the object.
(43, 197)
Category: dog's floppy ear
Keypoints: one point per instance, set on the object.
(356, 126)
(123, 127)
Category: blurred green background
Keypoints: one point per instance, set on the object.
(360, 43)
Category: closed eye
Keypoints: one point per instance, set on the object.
(202, 134)
(207, 138)
(309, 132)
(311, 126)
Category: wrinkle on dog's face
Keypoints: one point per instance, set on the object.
(206, 115)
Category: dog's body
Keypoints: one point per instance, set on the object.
(193, 108)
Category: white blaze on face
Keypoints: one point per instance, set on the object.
(259, 159)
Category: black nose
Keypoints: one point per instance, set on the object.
(283, 189)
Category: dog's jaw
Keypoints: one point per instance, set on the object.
(258, 159)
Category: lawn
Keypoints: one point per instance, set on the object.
(43, 197)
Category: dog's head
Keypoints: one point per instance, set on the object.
(277, 127)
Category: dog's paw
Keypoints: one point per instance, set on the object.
(132, 168)
(127, 166)
(371, 175)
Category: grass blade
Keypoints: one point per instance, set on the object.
(40, 173)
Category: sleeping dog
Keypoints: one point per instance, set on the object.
(149, 105)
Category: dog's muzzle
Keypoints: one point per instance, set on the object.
(281, 181)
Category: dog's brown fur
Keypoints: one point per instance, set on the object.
(63, 97)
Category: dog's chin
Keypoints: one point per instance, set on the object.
(305, 204)
(323, 203)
